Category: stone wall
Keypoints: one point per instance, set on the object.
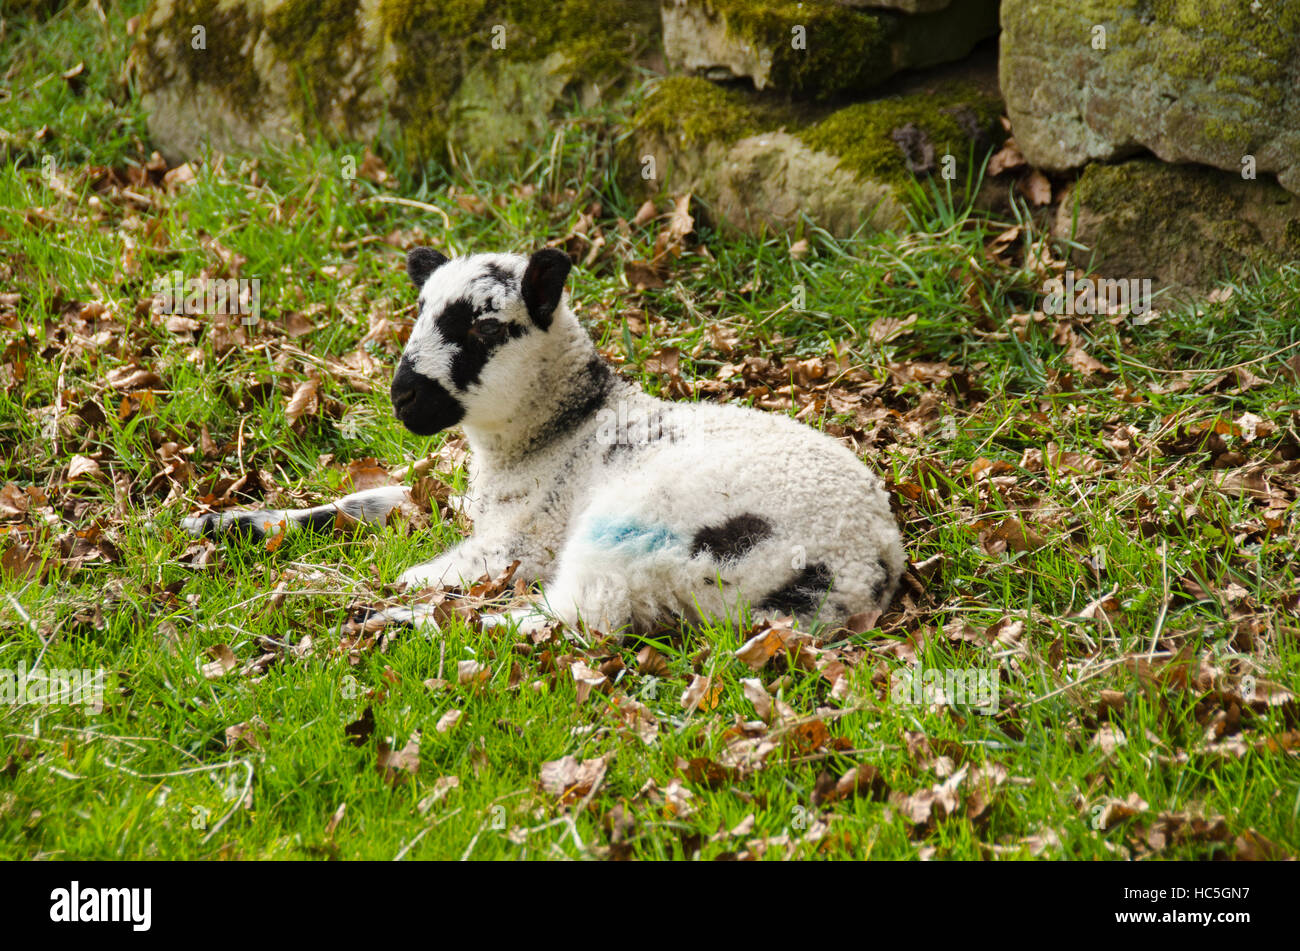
(774, 111)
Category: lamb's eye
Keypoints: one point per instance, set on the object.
(489, 328)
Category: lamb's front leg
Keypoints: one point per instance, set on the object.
(475, 557)
(371, 506)
(461, 566)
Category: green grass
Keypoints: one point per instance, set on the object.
(151, 775)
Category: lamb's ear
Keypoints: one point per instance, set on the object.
(421, 262)
(543, 284)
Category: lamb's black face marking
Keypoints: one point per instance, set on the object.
(467, 314)
(500, 275)
(423, 405)
(802, 594)
(475, 334)
(733, 539)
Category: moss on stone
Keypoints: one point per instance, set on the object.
(1217, 43)
(862, 135)
(1226, 38)
(847, 49)
(1139, 185)
(438, 41)
(1157, 212)
(1233, 134)
(422, 49)
(312, 37)
(691, 110)
(223, 64)
(1292, 232)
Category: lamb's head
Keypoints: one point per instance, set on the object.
(475, 339)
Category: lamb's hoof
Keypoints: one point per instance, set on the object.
(524, 621)
(206, 526)
(419, 618)
(224, 525)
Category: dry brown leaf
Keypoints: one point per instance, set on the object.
(1036, 187)
(449, 721)
(471, 672)
(441, 787)
(570, 779)
(361, 729)
(649, 661)
(1012, 535)
(83, 466)
(586, 680)
(756, 694)
(645, 214)
(368, 474)
(223, 661)
(1112, 811)
(303, 402)
(1007, 159)
(397, 766)
(702, 694)
(1083, 363)
(245, 736)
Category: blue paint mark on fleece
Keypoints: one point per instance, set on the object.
(623, 532)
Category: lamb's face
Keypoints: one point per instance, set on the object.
(469, 344)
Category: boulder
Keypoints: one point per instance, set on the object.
(482, 77)
(1182, 226)
(1215, 83)
(762, 165)
(819, 48)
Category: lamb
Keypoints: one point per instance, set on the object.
(626, 508)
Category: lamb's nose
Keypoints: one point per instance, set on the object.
(401, 398)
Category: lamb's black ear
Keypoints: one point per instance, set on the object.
(543, 284)
(421, 262)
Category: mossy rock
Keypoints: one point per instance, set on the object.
(894, 139)
(484, 76)
(817, 48)
(1182, 226)
(1212, 82)
(763, 164)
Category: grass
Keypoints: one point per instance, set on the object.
(951, 409)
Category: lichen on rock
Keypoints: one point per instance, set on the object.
(1183, 226)
(817, 48)
(690, 110)
(282, 69)
(890, 140)
(761, 163)
(1212, 82)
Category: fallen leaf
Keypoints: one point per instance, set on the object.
(361, 729)
(303, 402)
(441, 787)
(702, 694)
(570, 779)
(82, 466)
(223, 662)
(244, 736)
(471, 672)
(397, 766)
(1036, 187)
